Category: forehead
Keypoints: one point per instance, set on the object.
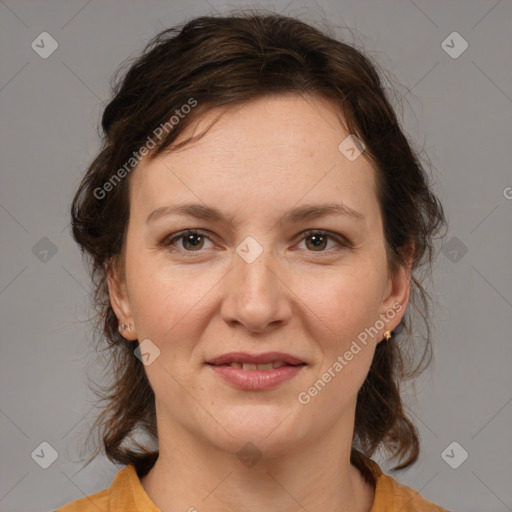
(268, 152)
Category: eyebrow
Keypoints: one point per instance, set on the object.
(301, 213)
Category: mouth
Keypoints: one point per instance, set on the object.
(261, 366)
(256, 372)
(266, 361)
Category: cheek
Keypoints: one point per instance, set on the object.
(350, 307)
(345, 301)
(166, 300)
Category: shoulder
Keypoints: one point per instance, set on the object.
(119, 496)
(391, 496)
(91, 503)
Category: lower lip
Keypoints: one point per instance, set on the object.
(256, 380)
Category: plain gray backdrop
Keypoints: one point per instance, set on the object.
(457, 105)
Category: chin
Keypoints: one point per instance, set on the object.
(269, 429)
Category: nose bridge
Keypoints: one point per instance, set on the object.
(254, 296)
(253, 275)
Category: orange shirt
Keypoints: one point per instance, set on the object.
(126, 494)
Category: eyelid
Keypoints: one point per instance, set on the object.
(338, 238)
(168, 241)
(341, 240)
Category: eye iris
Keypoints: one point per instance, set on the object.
(318, 241)
(192, 238)
(194, 241)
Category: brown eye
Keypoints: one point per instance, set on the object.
(192, 241)
(317, 241)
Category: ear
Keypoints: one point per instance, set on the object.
(396, 296)
(119, 301)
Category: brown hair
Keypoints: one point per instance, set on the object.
(223, 61)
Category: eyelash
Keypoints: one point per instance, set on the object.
(169, 241)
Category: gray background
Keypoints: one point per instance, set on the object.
(458, 109)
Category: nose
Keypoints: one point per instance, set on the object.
(256, 296)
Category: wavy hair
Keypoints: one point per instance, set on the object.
(227, 60)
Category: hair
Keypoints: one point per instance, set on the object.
(215, 61)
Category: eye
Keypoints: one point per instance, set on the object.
(319, 240)
(192, 240)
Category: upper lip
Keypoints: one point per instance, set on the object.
(244, 357)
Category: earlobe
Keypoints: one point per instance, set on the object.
(397, 296)
(120, 304)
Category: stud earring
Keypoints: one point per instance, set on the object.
(387, 335)
(123, 327)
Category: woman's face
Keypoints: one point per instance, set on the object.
(257, 282)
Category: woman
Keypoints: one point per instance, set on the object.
(255, 223)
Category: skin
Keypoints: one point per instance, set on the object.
(257, 162)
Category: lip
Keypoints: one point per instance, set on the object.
(256, 380)
(244, 357)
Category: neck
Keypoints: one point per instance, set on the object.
(194, 475)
